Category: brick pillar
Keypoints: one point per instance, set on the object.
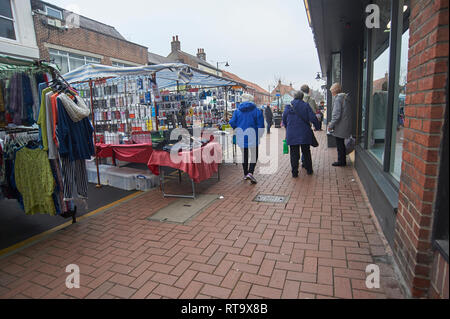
(424, 112)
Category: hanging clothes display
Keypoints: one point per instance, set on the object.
(45, 139)
(34, 180)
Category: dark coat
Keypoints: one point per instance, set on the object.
(269, 115)
(299, 131)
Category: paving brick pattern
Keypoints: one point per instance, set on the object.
(316, 246)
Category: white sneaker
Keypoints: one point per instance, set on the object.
(252, 178)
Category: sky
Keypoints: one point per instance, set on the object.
(262, 40)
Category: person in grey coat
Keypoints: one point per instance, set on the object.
(308, 98)
(341, 122)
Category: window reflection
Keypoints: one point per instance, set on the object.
(399, 111)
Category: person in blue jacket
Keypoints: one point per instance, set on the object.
(248, 122)
(297, 119)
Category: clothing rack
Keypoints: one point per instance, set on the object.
(13, 65)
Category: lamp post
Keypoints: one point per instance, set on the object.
(217, 70)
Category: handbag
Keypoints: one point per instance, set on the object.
(314, 143)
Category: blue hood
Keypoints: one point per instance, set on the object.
(247, 106)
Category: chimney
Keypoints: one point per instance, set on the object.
(201, 54)
(290, 84)
(176, 46)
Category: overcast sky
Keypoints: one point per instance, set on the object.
(262, 40)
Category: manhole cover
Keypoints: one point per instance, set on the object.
(183, 209)
(271, 199)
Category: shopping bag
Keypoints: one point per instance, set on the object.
(350, 144)
(285, 147)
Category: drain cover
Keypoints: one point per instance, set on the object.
(271, 199)
(183, 209)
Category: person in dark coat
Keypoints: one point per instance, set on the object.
(297, 119)
(269, 118)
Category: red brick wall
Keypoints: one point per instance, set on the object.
(424, 111)
(88, 41)
(439, 278)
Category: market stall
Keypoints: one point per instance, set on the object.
(148, 99)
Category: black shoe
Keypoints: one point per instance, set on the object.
(339, 164)
(294, 175)
(310, 172)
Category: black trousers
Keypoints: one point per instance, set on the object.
(269, 126)
(295, 157)
(250, 159)
(342, 156)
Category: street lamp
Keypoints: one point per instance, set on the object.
(320, 76)
(227, 65)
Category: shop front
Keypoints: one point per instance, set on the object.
(389, 57)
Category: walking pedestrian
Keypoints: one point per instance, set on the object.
(308, 98)
(319, 116)
(269, 118)
(248, 121)
(341, 122)
(297, 119)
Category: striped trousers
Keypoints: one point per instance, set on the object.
(74, 175)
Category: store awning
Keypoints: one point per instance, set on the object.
(14, 64)
(167, 75)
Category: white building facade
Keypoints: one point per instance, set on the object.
(17, 34)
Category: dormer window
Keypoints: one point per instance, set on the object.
(54, 13)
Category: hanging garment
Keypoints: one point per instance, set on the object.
(35, 94)
(58, 194)
(74, 173)
(15, 99)
(34, 180)
(76, 110)
(52, 150)
(42, 120)
(2, 104)
(27, 101)
(75, 139)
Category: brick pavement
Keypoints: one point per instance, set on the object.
(316, 246)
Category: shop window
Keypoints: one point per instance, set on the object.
(54, 13)
(399, 104)
(70, 61)
(365, 100)
(121, 65)
(377, 130)
(7, 25)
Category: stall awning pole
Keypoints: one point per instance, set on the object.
(99, 185)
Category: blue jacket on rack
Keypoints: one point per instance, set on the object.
(75, 139)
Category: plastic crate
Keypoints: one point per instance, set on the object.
(145, 182)
(120, 178)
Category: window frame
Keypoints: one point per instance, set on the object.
(67, 56)
(13, 20)
(54, 9)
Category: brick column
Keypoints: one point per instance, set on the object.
(424, 112)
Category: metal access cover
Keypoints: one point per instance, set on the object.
(183, 209)
(271, 199)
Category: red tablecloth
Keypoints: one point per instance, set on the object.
(133, 153)
(200, 164)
